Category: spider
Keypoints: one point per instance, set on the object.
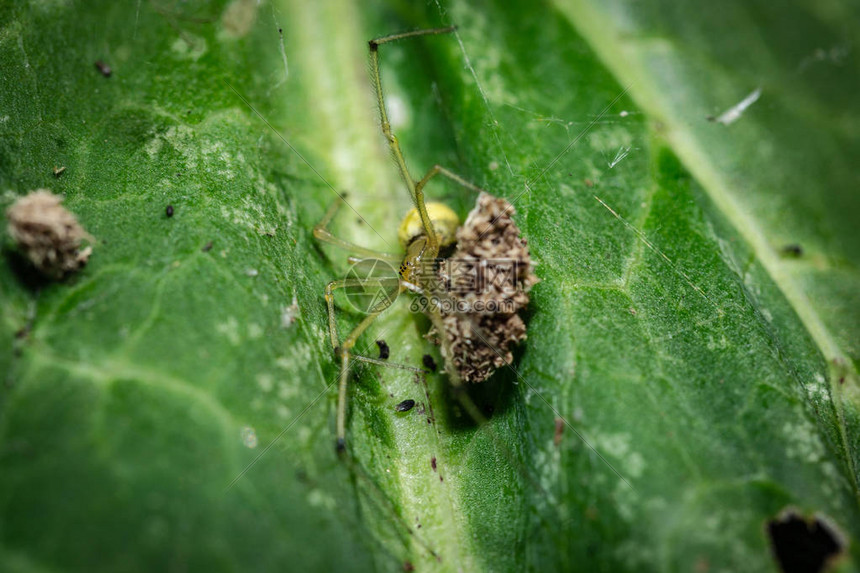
(428, 229)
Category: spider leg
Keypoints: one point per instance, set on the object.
(439, 170)
(324, 235)
(415, 191)
(395, 365)
(382, 282)
(344, 349)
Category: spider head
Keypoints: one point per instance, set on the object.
(444, 220)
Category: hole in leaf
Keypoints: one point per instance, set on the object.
(802, 545)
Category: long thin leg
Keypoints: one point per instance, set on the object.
(394, 365)
(459, 392)
(416, 192)
(344, 350)
(345, 355)
(322, 233)
(356, 282)
(439, 170)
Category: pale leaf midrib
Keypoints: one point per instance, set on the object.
(338, 93)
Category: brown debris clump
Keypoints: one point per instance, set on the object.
(48, 234)
(487, 281)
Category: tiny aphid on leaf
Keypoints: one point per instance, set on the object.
(103, 68)
(384, 350)
(405, 406)
(471, 279)
(793, 250)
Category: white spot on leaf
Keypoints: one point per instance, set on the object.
(249, 437)
(189, 47)
(265, 381)
(734, 113)
(230, 329)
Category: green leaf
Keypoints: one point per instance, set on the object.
(172, 405)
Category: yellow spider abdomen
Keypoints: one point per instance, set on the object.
(444, 220)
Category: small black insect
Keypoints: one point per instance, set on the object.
(207, 247)
(429, 363)
(405, 406)
(169, 210)
(103, 68)
(384, 351)
(793, 250)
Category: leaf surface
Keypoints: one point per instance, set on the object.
(172, 405)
